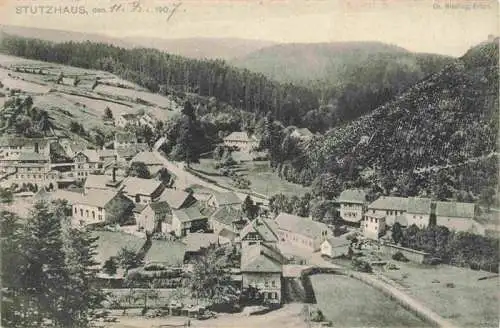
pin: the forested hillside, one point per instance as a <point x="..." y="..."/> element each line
<point x="165" y="73"/>
<point x="351" y="78"/>
<point x="439" y="137"/>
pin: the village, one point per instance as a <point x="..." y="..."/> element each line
<point x="170" y="223"/>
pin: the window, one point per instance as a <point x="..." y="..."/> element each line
<point x="81" y="212"/>
<point x="100" y="209"/>
<point x="371" y="219"/>
<point x="93" y="215"/>
<point x="87" y="213"/>
<point x="266" y="283"/>
<point x="76" y="210"/>
<point x="273" y="283"/>
<point x="100" y="217"/>
<point x="376" y="220"/>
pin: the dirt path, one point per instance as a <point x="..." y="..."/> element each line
<point x="289" y="316"/>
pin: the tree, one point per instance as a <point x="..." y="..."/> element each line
<point x="6" y="196"/>
<point x="138" y="169"/>
<point x="110" y="266"/>
<point x="128" y="258"/>
<point x="108" y="114"/>
<point x="397" y="233"/>
<point x="326" y="185"/>
<point x="82" y="298"/>
<point x="249" y="208"/>
<point x="487" y="197"/>
<point x="210" y="278"/>
<point x="165" y="177"/>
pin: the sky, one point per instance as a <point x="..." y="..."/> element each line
<point x="437" y="26"/>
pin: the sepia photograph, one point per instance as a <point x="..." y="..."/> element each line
<point x="249" y="163"/>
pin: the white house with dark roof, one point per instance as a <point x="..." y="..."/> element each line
<point x="142" y="191"/>
<point x="93" y="207"/>
<point x="220" y="199"/>
<point x="455" y="216"/>
<point x="241" y="140"/>
<point x="302" y="232"/>
<point x="418" y="212"/>
<point x="352" y="205"/>
<point x="87" y="162"/>
<point x="149" y="217"/>
<point x="373" y="225"/>
<point x="389" y="206"/>
<point x="262" y="272"/>
<point x="335" y="247"/>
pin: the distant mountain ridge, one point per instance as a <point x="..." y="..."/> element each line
<point x="197" y="48"/>
<point x="330" y="62"/>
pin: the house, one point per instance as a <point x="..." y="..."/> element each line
<point x="124" y="140"/>
<point x="418" y="212"/>
<point x="93" y="208"/>
<point x="261" y="273"/>
<point x="147" y="120"/>
<point x="302" y="232"/>
<point x="335" y="247"/>
<point x="352" y="205"/>
<point x="259" y="231"/>
<point x="227" y="218"/>
<point x="13" y="146"/>
<point x="184" y="221"/>
<point x="302" y="134"/>
<point x="126" y="119"/>
<point x="177" y="199"/>
<point x="373" y="225"/>
<point x="152" y="162"/>
<point x="100" y="182"/>
<point x="86" y="162"/>
<point x="149" y="217"/>
<point x="389" y="206"/>
<point x="220" y="199"/>
<point x="242" y="141"/>
<point x="142" y="191"/>
<point x="455" y="216"/>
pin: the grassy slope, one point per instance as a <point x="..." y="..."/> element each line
<point x="350" y="303"/>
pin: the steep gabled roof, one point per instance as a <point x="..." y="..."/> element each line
<point x="99" y="198"/>
<point x="261" y="258"/>
<point x="138" y="186"/>
<point x="97" y="181"/>
<point x="338" y="241"/>
<point x="390" y="203"/>
<point x="227" y="215"/>
<point x="356" y="196"/>
<point x="300" y="225"/>
<point x="226" y="198"/>
<point x="176" y="199"/>
<point x="419" y="205"/>
<point x="147" y="157"/>
<point x="188" y="214"/>
<point x="266" y="229"/>
<point x="32" y="157"/>
<point x="455" y="209"/>
<point x="238" y="136"/>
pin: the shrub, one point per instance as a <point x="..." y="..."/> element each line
<point x="317" y="316"/>
<point x="400" y="257"/>
<point x="450" y="285"/>
<point x="361" y="266"/>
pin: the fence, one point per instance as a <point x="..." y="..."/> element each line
<point x="410" y="254"/>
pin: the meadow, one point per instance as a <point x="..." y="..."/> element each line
<point x="350" y="303"/>
<point x="452" y="292"/>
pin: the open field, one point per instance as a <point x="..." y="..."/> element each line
<point x="470" y="303"/>
<point x="263" y="180"/>
<point x="289" y="316"/>
<point x="25" y="86"/>
<point x="99" y="106"/>
<point x="154" y="99"/>
<point x="350" y="303"/>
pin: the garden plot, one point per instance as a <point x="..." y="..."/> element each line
<point x="134" y="95"/>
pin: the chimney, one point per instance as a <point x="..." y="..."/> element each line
<point x="114" y="173"/>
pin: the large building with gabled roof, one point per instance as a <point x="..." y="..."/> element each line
<point x="419" y="211"/>
<point x="259" y="231"/>
<point x="455" y="216"/>
<point x="352" y="205"/>
<point x="261" y="271"/>
<point x="391" y="207"/>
